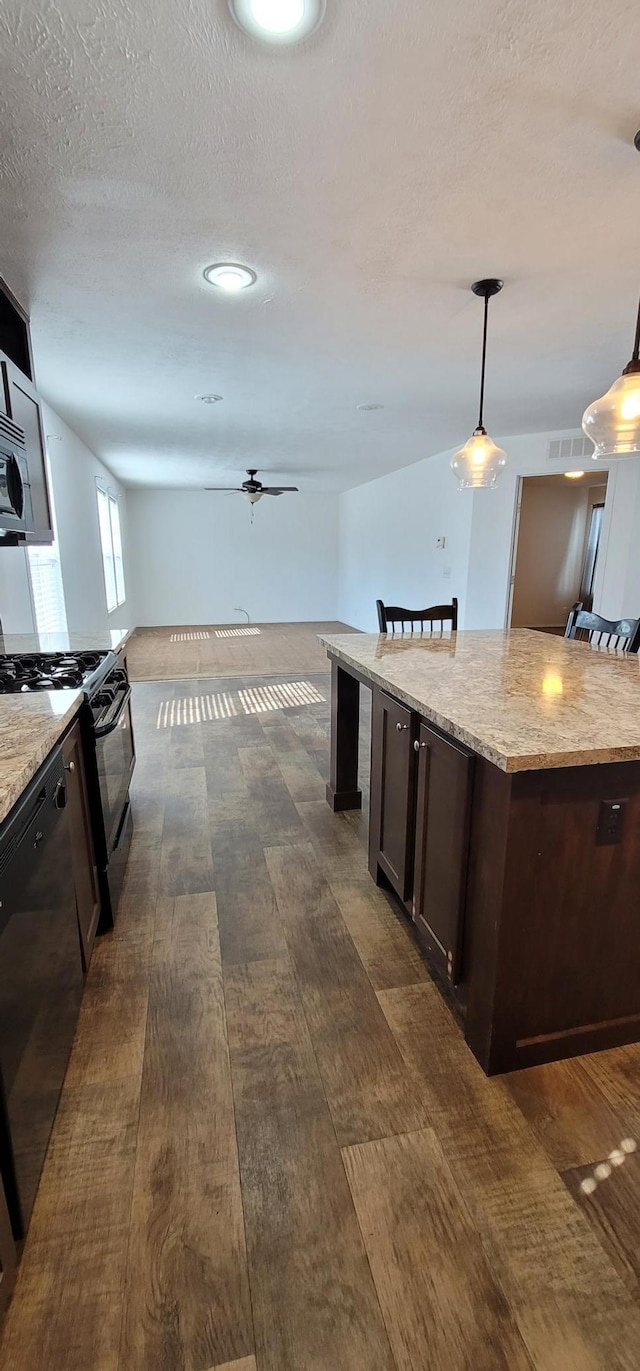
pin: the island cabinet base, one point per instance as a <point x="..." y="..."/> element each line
<point x="524" y="887"/>
<point x="551" y="943"/>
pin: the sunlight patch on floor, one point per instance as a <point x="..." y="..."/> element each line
<point x="189" y="637"/>
<point x="244" y="632"/>
<point x="197" y="709"/>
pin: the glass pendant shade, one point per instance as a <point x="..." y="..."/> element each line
<point x="613" y="422"/>
<point x="478" y="464"/>
<point x="253" y="496"/>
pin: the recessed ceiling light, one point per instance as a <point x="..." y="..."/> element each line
<point x="229" y="276"/>
<point x="208" y="399"/>
<point x="278" y="21"/>
<point x="573" y="475"/>
<point x="368" y="407"/>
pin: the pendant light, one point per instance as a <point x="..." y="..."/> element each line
<point x="613" y="422"/>
<point x="479" y="463"/>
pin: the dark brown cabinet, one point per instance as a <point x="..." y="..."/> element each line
<point x="23" y="406"/>
<point x="85" y="875"/>
<point x="443" y="812"/>
<point x="393" y="729"/>
<point x="421" y="790"/>
<point x="7" y="1254"/>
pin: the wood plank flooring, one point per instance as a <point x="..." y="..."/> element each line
<point x="274" y="1151"/>
<point x="170" y="653"/>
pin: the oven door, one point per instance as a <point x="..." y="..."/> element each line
<point x="115" y="757"/>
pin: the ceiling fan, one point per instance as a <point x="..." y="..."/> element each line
<point x="254" y="490"/>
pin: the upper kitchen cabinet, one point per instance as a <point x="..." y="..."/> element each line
<point x="15" y="333"/>
<point x="24" y="408"/>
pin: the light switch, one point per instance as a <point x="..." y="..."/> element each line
<point x="441" y="543"/>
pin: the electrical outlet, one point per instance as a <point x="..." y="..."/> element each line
<point x="446" y="572"/>
<point x="611" y="821"/>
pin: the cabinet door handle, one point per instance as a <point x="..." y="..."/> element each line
<point x="417" y="745"/>
<point x="70" y="766"/>
<point x="401" y="727"/>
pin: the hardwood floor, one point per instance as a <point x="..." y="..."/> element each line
<point x="199" y="653"/>
<point x="274" y="1151"/>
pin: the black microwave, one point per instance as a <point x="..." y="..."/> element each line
<point x="15" y="490"/>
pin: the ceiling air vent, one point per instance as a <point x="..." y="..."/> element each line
<point x="570" y="449"/>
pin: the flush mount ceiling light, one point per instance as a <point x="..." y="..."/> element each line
<point x="278" y="21"/>
<point x="573" y="475"/>
<point x="479" y="463"/>
<point x="613" y="422"/>
<point x="209" y="399"/>
<point x="229" y="276"/>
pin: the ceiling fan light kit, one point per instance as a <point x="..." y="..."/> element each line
<point x="613" y="422"/>
<point x="478" y="464"/>
<point x="253" y="490"/>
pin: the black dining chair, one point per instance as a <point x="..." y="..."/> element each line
<point x="622" y="635"/>
<point x="435" y="614"/>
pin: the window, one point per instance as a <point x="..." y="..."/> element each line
<point x="111" y="543"/>
<point x="46" y="589"/>
<point x="45" y="577"/>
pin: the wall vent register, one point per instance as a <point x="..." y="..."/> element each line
<point x="570" y="449"/>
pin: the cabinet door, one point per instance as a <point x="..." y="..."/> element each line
<point x="445" y="775"/>
<point x="85" y="875"/>
<point x="7" y="1254"/>
<point x="392" y="792"/>
<point x="23" y="406"/>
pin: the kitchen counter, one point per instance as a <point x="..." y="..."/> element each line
<point x="30" y="725"/>
<point x="505" y="814"/>
<point x="521" y="699"/>
<point x="109" y="640"/>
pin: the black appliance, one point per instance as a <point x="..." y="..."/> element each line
<point x="15" y="491"/>
<point x="108" y="746"/>
<point x="41" y="980"/>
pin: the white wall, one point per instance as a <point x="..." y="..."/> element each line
<point x="388" y="531"/>
<point x="196" y="557"/>
<point x="388" y="534"/>
<point x="74" y="469"/>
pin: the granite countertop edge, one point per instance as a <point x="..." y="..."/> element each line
<point x="34" y="737"/>
<point x="505" y="761"/>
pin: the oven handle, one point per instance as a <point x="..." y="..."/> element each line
<point x="102" y="730"/>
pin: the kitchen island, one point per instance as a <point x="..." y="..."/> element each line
<point x="505" y="814"/>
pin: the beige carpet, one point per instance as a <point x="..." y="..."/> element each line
<point x="174" y="653"/>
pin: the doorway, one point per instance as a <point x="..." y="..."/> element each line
<point x="556" y="544"/>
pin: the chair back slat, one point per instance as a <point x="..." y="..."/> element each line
<point x="392" y="615"/>
<point x="614" y="635"/>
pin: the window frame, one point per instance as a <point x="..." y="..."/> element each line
<point x="110" y="534"/>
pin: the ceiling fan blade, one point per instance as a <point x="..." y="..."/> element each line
<point x="279" y="490"/>
<point x="231" y="490"/>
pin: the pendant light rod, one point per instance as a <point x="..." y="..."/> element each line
<point x="634" y="364"/>
<point x="486" y="288"/>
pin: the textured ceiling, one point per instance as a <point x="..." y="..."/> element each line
<point x="368" y="176"/>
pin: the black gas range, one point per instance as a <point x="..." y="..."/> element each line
<point x="108" y="745"/>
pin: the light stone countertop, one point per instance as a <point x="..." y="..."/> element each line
<point x="111" y="639"/>
<point x="30" y="725"/>
<point x="525" y="700"/>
